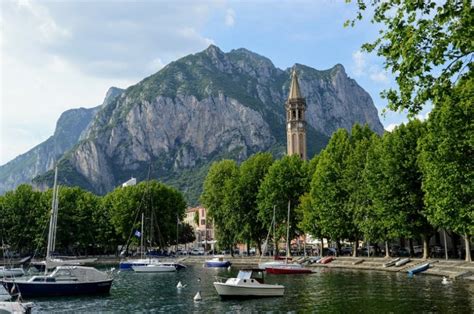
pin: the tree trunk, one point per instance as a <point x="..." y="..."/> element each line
<point x="467" y="245"/>
<point x="338" y="247"/>
<point x="387" y="250"/>
<point x="321" y="253"/>
<point x="259" y="248"/>
<point x="410" y="247"/>
<point x="354" y="247"/>
<point x="426" y="247"/>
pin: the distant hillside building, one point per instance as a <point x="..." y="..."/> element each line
<point x="295" y="120"/>
<point x="132" y="181"/>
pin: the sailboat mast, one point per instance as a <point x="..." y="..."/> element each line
<point x="51" y="233"/>
<point x="141" y="236"/>
<point x="288" y="232"/>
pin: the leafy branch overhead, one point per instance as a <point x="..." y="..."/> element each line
<point x="427" y="46"/>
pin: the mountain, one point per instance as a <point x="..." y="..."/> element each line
<point x="205" y="107"/>
<point x="41" y="158"/>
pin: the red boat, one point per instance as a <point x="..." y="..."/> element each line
<point x="326" y="260"/>
<point x="288" y="269"/>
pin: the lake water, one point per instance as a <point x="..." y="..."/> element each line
<point x="327" y="290"/>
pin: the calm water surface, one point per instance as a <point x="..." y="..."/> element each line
<point x="326" y="291"/>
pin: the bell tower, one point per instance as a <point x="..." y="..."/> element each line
<point x="295" y="122"/>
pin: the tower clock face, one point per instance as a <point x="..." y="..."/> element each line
<point x="289" y="125"/>
<point x="300" y="124"/>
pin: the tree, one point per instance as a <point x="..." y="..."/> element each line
<point x="186" y="233"/>
<point x="159" y="203"/>
<point x="251" y="174"/>
<point x="24" y="216"/>
<point x="218" y="186"/>
<point x="285" y="182"/>
<point x="447" y="162"/>
<point x="427" y="45"/>
<point x="354" y="180"/>
<point x="328" y="190"/>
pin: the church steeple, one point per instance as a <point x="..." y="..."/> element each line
<point x="294" y="87"/>
<point x="295" y="119"/>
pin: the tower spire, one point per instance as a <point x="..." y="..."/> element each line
<point x="294" y="86"/>
<point x="295" y="119"/>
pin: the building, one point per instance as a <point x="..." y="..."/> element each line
<point x="202" y="228"/>
<point x="295" y="120"/>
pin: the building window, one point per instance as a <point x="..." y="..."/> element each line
<point x="203" y="222"/>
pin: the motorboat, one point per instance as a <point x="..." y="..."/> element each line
<point x="63" y="281"/>
<point x="402" y="262"/>
<point x="288" y="269"/>
<point x="129" y="263"/>
<point x="391" y="263"/>
<point x="418" y="269"/>
<point x="248" y="284"/>
<point x="217" y="261"/>
<point x="11" y="271"/>
<point x="264" y="266"/>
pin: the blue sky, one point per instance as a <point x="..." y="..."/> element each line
<point x="57" y="55"/>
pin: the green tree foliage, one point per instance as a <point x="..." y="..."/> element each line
<point x="251" y="174"/>
<point x="328" y="190"/>
<point x="427" y="45"/>
<point x="216" y="196"/>
<point x="24" y="213"/>
<point x="448" y="164"/>
<point x="286" y="181"/>
<point x="396" y="185"/>
<point x="159" y="203"/>
<point x="186" y="233"/>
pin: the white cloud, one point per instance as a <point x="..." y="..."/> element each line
<point x="230" y="17"/>
<point x="362" y="66"/>
<point x="359" y="63"/>
<point x="391" y="127"/>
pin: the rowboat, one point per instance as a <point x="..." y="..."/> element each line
<point x="288" y="269"/>
<point x="402" y="262"/>
<point x="391" y="263"/>
<point x="326" y="260"/>
<point x="418" y="269"/>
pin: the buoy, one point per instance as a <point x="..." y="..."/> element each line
<point x="445" y="281"/>
<point x="179" y="285"/>
<point x="228" y="268"/>
<point x="197" y="297"/>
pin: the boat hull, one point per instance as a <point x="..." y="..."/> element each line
<point x="54" y="289"/>
<point x="217" y="264"/>
<point x="11" y="272"/>
<point x="391" y="263"/>
<point x="246" y="291"/>
<point x="154" y="269"/>
<point x="287" y="270"/>
<point x="419" y="269"/>
<point x="402" y="262"/>
<point x="326" y="260"/>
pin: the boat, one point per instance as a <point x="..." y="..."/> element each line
<point x="11" y="272"/>
<point x="52" y="263"/>
<point x="15" y="307"/>
<point x="248" y="284"/>
<point x="217" y="261"/>
<point x="418" y="269"/>
<point x="326" y="260"/>
<point x="391" y="263"/>
<point x="288" y="269"/>
<point x="63" y="281"/>
<point x="402" y="262"/>
<point x="155" y="268"/>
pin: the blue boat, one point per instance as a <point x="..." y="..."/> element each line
<point x="217" y="262"/>
<point x="418" y="269"/>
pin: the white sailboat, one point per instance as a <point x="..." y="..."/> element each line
<point x="51" y="262"/>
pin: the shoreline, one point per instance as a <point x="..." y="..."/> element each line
<point x="452" y="269"/>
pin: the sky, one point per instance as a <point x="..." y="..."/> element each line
<point x="59" y="55"/>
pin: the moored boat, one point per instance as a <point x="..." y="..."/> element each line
<point x="326" y="260"/>
<point x="11" y="271"/>
<point x="63" y="281"/>
<point x="402" y="262"/>
<point x="391" y="263"/>
<point x="248" y="284"/>
<point x="418" y="269"/>
<point x="155" y="268"/>
<point x="217" y="261"/>
<point x="288" y="269"/>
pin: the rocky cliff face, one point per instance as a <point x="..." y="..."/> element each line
<point x="204" y="107"/>
<point x="69" y="128"/>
